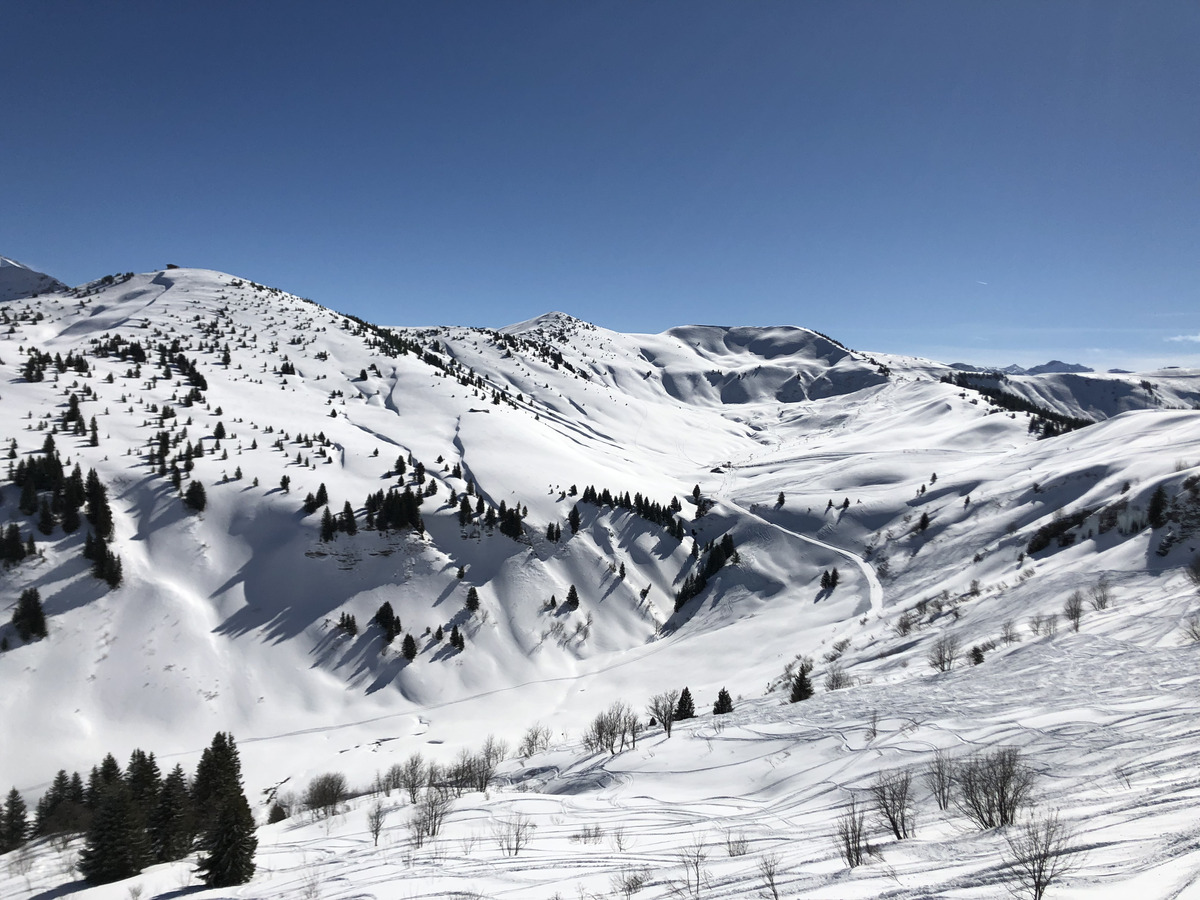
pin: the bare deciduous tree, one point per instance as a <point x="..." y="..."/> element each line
<point x="836" y="678"/>
<point x="1039" y="854"/>
<point x="429" y="814"/>
<point x="1100" y="596"/>
<point x="852" y="834"/>
<point x="1008" y="632"/>
<point x="662" y="707"/>
<point x="694" y="874"/>
<point x="513" y="835"/>
<point x="412" y="777"/>
<point x="375" y="816"/>
<point x="1073" y="608"/>
<point x="943" y="653"/>
<point x="939" y="778"/>
<point x="993" y="787"/>
<point x="768" y="868"/>
<point x="612" y="730"/>
<point x="536" y="739"/>
<point x="892" y="794"/>
<point x="325" y="794"/>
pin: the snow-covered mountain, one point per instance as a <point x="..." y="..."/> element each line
<point x="17" y="281"/>
<point x="933" y="493"/>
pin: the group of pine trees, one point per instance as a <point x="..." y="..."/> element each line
<point x="713" y="559"/>
<point x="58" y="499"/>
<point x="136" y="817"/>
<point x="662" y="515"/>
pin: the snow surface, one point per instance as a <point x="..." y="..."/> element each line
<point x="226" y="620"/>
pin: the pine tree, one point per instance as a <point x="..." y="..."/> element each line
<point x="472" y="600"/>
<point x="802" y="687"/>
<point x="924" y="523"/>
<point x="347" y="522"/>
<point x="456" y="638"/>
<point x="686" y="709"/>
<point x="573" y="519"/>
<point x="724" y="703"/>
<point x="572" y="601"/>
<point x="116" y="845"/>
<point x="14" y="824"/>
<point x="409" y="647"/>
<point x="28" y="618"/>
<point x="328" y="526"/>
<point x="171" y="825"/>
<point x="218" y="777"/>
<point x="1156" y="515"/>
<point x="230" y="845"/>
<point x="195" y="497"/>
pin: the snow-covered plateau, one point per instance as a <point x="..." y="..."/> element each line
<point x="1013" y="558"/>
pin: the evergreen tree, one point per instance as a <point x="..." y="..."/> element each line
<point x="116" y="845"/>
<point x="13" y="822"/>
<point x="573" y="519"/>
<point x="230" y="845"/>
<point x="686" y="709"/>
<point x="456" y="638"/>
<point x="472" y="600"/>
<point x="834" y="578"/>
<point x="98" y="511"/>
<point x="409" y="647"/>
<point x="45" y="523"/>
<point x="218" y="778"/>
<point x="195" y="497"/>
<point x="572" y="601"/>
<point x="347" y="522"/>
<point x="825" y="580"/>
<point x="802" y="687"/>
<point x="171" y="825"/>
<point x="28" y="618"/>
<point x="724" y="703"/>
<point x="328" y="526"/>
<point x="924" y="523"/>
<point x="388" y="622"/>
<point x="1156" y="515"/>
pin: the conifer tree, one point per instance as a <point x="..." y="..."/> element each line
<point x="686" y="708"/>
<point x="28" y="618"/>
<point x="230" y="845"/>
<point x="572" y="601"/>
<point x="724" y="703"/>
<point x="14" y="824"/>
<point x="171" y="826"/>
<point x="409" y="647"/>
<point x="116" y="846"/>
<point x="802" y="687"/>
<point x="195" y="497"/>
<point x="328" y="526"/>
<point x="573" y="519"/>
<point x="1156" y="515"/>
<point x="347" y="522"/>
<point x="225" y="822"/>
<point x="472" y="600"/>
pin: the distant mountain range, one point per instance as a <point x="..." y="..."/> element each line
<point x="1054" y="367"/>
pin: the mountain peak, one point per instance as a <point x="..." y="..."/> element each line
<point x="18" y="281"/>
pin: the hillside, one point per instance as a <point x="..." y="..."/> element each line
<point x="941" y="510"/>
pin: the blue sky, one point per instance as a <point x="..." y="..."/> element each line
<point x="996" y="182"/>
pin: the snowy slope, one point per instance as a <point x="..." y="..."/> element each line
<point x="226" y="619"/>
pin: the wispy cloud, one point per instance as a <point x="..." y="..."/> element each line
<point x="1195" y="338"/>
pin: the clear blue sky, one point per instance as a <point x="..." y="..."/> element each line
<point x="991" y="181"/>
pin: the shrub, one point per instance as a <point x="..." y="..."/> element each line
<point x="993" y="787"/>
<point x="325" y="794"/>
